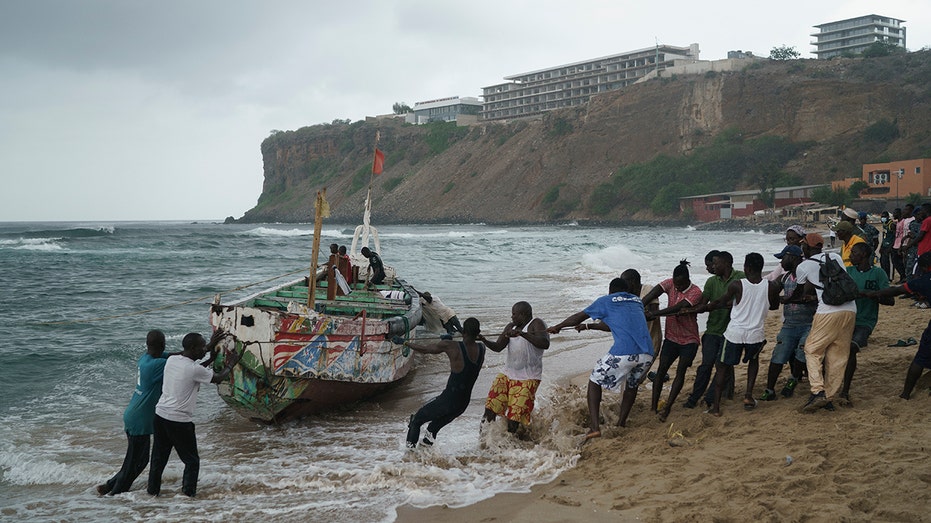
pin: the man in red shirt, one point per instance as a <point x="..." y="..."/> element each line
<point x="923" y="240"/>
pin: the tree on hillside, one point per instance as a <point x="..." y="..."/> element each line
<point x="401" y="108"/>
<point x="878" y="49"/>
<point x="827" y="196"/>
<point x="784" y="52"/>
<point x="856" y="187"/>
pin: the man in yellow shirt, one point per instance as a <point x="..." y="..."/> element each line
<point x="844" y="231"/>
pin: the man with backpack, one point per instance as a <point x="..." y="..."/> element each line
<point x="828" y="341"/>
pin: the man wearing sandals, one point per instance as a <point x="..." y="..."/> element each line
<point x="753" y="297"/>
<point x="629" y="357"/>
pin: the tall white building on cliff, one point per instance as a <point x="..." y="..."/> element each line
<point x="854" y="35"/>
<point x="532" y="93"/>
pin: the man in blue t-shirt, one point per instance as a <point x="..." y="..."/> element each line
<point x="139" y="415"/>
<point x="920" y="284"/>
<point x="629" y="357"/>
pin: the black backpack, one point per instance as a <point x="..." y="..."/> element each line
<point x="836" y="284"/>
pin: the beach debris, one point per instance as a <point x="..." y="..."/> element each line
<point x="675" y="438"/>
<point x="789" y="460"/>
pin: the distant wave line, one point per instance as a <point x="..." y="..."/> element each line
<point x="169" y="306"/>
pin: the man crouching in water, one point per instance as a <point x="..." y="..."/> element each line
<point x="629" y="357"/>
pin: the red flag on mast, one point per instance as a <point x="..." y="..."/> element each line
<point x="379" y="164"/>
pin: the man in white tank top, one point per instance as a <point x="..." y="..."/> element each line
<point x="753" y="297"/>
<point x="514" y="390"/>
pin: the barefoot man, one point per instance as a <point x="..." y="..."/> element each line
<point x="514" y="390"/>
<point x="627" y="360"/>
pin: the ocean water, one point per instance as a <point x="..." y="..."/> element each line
<point x="78" y="298"/>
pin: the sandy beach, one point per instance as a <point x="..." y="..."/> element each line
<point x="867" y="462"/>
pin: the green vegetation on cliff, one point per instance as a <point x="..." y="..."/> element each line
<point x="729" y="161"/>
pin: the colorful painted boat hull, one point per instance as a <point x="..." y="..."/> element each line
<point x="299" y="361"/>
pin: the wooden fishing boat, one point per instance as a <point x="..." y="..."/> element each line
<point x="309" y="349"/>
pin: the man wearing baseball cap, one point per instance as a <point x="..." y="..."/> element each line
<point x="828" y="341"/>
<point x="796" y="322"/>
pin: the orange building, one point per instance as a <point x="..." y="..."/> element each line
<point x="893" y="180"/>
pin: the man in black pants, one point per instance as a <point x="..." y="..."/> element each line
<point x="174" y="414"/>
<point x="465" y="362"/>
<point x="139" y="414"/>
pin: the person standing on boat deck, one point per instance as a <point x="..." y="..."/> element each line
<point x="435" y="312"/>
<point x="629" y="357"/>
<point x="140" y="414"/>
<point x="174" y="413"/>
<point x="331" y="263"/>
<point x="376" y="267"/>
<point x="345" y="264"/>
<point x="514" y="390"/>
<point x="465" y="362"/>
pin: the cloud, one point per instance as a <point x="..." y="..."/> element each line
<point x="124" y="109"/>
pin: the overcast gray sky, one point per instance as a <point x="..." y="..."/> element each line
<point x="131" y="110"/>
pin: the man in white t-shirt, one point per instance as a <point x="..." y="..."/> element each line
<point x="174" y="413"/>
<point x="828" y="341"/>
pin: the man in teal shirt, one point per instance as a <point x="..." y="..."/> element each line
<point x="712" y="341"/>
<point x="868" y="278"/>
<point x="139" y="415"/>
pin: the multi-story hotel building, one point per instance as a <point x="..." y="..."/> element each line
<point x="572" y="84"/>
<point x="450" y="109"/>
<point x="854" y="35"/>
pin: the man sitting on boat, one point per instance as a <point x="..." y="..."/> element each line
<point x="376" y="267"/>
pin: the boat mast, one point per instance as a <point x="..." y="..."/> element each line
<point x="321" y="210"/>
<point x="362" y="231"/>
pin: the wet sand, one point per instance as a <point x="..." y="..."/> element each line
<point x="867" y="462"/>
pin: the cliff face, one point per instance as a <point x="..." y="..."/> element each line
<point x="550" y="168"/>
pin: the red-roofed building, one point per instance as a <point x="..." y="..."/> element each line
<point x="735" y="204"/>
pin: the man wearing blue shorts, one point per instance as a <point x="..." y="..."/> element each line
<point x="629" y="357"/>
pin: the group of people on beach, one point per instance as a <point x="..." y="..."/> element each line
<point x="830" y="305"/>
